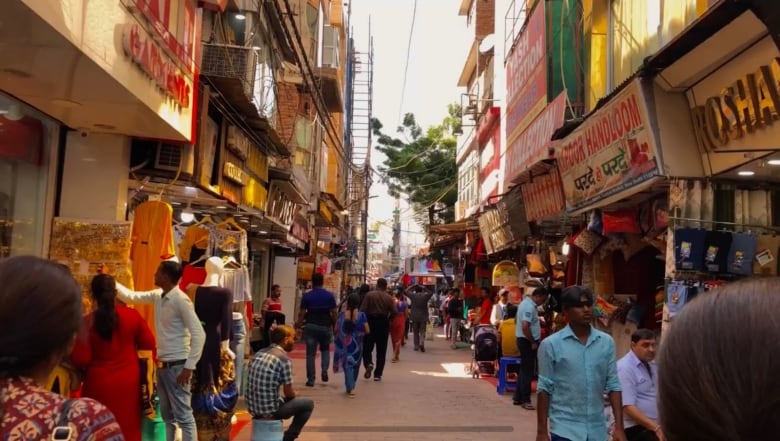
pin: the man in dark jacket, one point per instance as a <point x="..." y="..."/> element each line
<point x="419" y="297"/>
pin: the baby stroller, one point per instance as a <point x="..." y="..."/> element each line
<point x="485" y="353"/>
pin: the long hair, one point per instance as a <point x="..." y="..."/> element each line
<point x="104" y="292"/>
<point x="718" y="367"/>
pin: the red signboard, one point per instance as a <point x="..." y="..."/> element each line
<point x="150" y="58"/>
<point x="489" y="167"/>
<point x="533" y="144"/>
<point x="175" y="27"/>
<point x="543" y="197"/>
<point x="215" y="5"/>
<point x="526" y="74"/>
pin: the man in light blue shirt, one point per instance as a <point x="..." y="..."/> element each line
<point x="528" y="332"/>
<point x="638" y="374"/>
<point x="576" y="367"/>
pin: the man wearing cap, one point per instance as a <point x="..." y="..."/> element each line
<point x="499" y="308"/>
<point x="576" y="367"/>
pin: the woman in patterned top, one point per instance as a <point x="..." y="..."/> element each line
<point x="41" y="316"/>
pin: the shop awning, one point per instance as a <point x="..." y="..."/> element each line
<point x="285" y="181"/>
<point x="459" y="227"/>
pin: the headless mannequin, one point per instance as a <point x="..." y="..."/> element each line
<point x="214" y="269"/>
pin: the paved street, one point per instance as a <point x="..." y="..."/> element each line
<point x="426" y="396"/>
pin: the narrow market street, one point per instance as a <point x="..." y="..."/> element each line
<point x="426" y="396"/>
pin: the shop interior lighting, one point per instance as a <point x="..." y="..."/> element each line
<point x="240" y="16"/>
<point x="773" y="162"/>
<point x="263" y="232"/>
<point x="746" y="173"/>
<point x="565" y="248"/>
<point x="187" y="215"/>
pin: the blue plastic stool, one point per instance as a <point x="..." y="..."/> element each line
<point x="267" y="430"/>
<point x="503" y="365"/>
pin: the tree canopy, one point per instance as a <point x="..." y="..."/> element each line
<point x="420" y="166"/>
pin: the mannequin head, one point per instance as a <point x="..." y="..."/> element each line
<point x="214" y="268"/>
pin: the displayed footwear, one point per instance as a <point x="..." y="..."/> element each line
<point x="369" y="369"/>
<point x="377" y="378"/>
<point x="309" y="384"/>
<point x="324" y="377"/>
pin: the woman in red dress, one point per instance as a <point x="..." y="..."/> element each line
<point x="398" y="323"/>
<point x="108" y="352"/>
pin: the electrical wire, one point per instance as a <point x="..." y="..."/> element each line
<point x="408" y="55"/>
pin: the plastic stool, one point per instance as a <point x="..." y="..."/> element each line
<point x="503" y="365"/>
<point x="267" y="430"/>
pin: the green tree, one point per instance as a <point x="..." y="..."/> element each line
<point x="420" y="165"/>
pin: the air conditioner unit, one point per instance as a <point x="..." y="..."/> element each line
<point x="169" y="156"/>
<point x="330" y="47"/>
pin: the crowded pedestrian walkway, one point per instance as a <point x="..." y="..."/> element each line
<point x="425" y="396"/>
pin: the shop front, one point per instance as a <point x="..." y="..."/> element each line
<point x="723" y="228"/>
<point x="29" y="144"/>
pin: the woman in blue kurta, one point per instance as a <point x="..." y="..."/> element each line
<point x="351" y="327"/>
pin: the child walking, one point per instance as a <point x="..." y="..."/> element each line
<point x="351" y="327"/>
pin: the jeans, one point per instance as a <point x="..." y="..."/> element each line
<point x="418" y="329"/>
<point x="554" y="437"/>
<point x="238" y="346"/>
<point x="527" y="366"/>
<point x="175" y="404"/>
<point x="350" y="377"/>
<point x="380" y="332"/>
<point x="454" y="326"/>
<point x="317" y="335"/>
<point x="299" y="409"/>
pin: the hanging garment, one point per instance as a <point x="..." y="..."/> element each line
<point x="191" y="275"/>
<point x="767" y="251"/>
<point x="741" y="254"/>
<point x="237" y="281"/>
<point x="689" y="248"/>
<point x="194" y="243"/>
<point x="224" y="243"/>
<point x="152" y="242"/>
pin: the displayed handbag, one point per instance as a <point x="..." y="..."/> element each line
<point x="535" y="263"/>
<point x="148" y="388"/>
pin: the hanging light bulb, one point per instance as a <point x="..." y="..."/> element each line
<point x="565" y="248"/>
<point x="187" y="215"/>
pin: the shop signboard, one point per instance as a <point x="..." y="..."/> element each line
<point x="255" y="194"/>
<point x="234" y="172"/>
<point x="207" y="152"/>
<point x="150" y="58"/>
<point x="305" y="270"/>
<point x="279" y="209"/>
<point x="543" y="197"/>
<point x="173" y="23"/>
<point x="300" y="230"/>
<point x="611" y="152"/>
<point x="526" y="74"/>
<point x="736" y="108"/>
<point x="534" y="143"/>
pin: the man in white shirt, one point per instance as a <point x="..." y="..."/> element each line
<point x="499" y="309"/>
<point x="180" y="340"/>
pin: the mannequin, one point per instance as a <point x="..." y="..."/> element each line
<point x="214" y="392"/>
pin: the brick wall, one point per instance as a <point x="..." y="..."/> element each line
<point x="486" y="18"/>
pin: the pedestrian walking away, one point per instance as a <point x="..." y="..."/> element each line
<point x="418" y="313"/>
<point x="317" y="317"/>
<point x="378" y="306"/>
<point x="351" y="327"/>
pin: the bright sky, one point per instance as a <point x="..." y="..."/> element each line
<point x="440" y="43"/>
